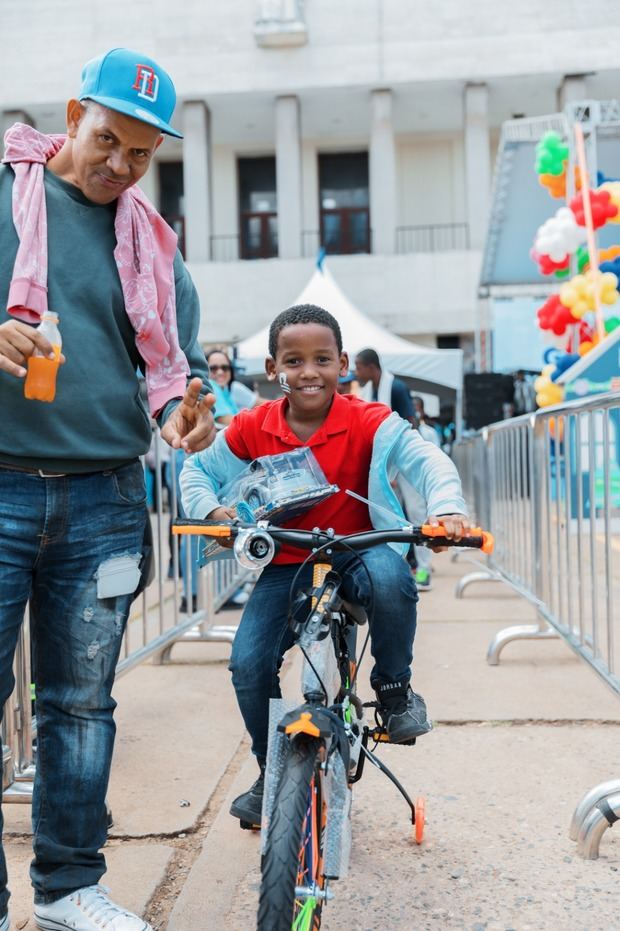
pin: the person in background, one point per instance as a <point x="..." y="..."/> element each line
<point x="231" y="395"/>
<point x="77" y="231"/>
<point x="424" y="423"/>
<point x="418" y="557"/>
<point x="524" y="401"/>
<point x="381" y="386"/>
<point x="347" y="384"/>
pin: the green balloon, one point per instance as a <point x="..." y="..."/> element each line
<point x="583" y="258"/>
<point x="551" y="154"/>
<point x="611" y="324"/>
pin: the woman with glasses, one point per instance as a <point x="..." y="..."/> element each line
<point x="231" y="396"/>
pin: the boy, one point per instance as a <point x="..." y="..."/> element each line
<point x="359" y="446"/>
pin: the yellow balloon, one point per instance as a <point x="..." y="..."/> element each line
<point x="541" y="383"/>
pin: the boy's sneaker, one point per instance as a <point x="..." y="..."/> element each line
<point x="4" y="923"/>
<point x="423" y="580"/>
<point x="249" y="806"/>
<point x="402" y="712"/>
<point x="87" y="909"/>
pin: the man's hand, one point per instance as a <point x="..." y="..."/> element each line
<point x="18" y="341"/>
<point x="191" y="425"/>
<point x="456" y="527"/>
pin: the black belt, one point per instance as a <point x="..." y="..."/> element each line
<point x="40" y="472"/>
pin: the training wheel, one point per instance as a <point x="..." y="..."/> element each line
<point x="420" y="819"/>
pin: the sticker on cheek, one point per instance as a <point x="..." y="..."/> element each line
<point x="284" y="385"/>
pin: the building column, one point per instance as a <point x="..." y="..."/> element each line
<point x="197" y="180"/>
<point x="572" y="89"/>
<point x="288" y="177"/>
<point x="477" y="162"/>
<point x="382" y="174"/>
<point x="7" y="118"/>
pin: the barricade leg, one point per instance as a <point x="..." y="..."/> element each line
<point x="601" y="816"/>
<point x="589" y="801"/>
<point x="18" y="711"/>
<point x="540" y="631"/>
<point x="481" y="575"/>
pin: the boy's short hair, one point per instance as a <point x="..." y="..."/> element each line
<point x="302" y="313"/>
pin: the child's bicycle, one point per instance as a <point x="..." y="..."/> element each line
<point x="318" y="749"/>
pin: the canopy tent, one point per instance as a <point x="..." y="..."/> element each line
<point x="434" y="371"/>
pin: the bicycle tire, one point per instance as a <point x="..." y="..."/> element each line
<point x="282" y="862"/>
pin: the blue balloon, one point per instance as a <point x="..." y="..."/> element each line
<point x="564" y="362"/>
<point x="551" y="354"/>
<point x="613" y="266"/>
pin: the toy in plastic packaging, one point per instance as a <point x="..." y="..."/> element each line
<point x="278" y="488"/>
<point x="275" y="488"/>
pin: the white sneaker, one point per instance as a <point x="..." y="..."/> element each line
<point x="4" y="924"/>
<point x="87" y="909"/>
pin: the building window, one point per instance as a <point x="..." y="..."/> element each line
<point x="171" y="198"/>
<point x="449" y="341"/>
<point x="280" y="23"/>
<point x="258" y="214"/>
<point x="345" y="215"/>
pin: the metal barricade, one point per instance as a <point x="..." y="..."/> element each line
<point x="548" y="486"/>
<point x="154" y="625"/>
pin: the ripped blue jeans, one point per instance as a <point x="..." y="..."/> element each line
<point x="55" y="534"/>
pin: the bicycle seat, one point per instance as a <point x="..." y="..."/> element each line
<point x="356" y="612"/>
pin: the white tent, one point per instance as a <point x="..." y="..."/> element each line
<point x="435" y="371"/>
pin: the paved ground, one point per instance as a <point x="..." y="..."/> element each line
<point x="515" y="747"/>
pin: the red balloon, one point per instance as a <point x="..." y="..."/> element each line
<point x="546" y="264"/>
<point x="554" y="316"/>
<point x="603" y="209"/>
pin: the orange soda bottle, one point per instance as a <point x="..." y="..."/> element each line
<point x="41" y="375"/>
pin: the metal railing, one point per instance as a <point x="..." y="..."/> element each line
<point x="435" y="237"/>
<point x="154" y="625"/>
<point x="548" y="486"/>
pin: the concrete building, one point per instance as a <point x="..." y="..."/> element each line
<point x="365" y="126"/>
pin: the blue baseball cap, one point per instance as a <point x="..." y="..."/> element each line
<point x="346" y="379"/>
<point x="133" y="84"/>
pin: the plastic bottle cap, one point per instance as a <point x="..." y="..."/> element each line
<point x="52" y="317"/>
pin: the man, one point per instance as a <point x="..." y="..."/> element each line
<point x="73" y="520"/>
<point x="378" y="385"/>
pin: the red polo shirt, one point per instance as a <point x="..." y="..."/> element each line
<point x="342" y="446"/>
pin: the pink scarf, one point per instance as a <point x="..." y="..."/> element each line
<point x="145" y="251"/>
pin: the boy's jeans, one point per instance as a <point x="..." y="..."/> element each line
<point x="264" y="635"/>
<point x="54" y="535"/>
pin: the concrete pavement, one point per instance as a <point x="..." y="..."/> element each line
<point x="515" y="748"/>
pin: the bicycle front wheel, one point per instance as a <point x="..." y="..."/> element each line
<point x="292" y="866"/>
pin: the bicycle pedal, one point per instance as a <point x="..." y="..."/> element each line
<point x="380" y="736"/>
<point x="248" y="826"/>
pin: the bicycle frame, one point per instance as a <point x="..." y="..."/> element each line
<point x="339" y="726"/>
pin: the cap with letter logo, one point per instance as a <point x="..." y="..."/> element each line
<point x="131" y="83"/>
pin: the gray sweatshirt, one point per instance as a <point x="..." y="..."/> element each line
<point x="97" y="420"/>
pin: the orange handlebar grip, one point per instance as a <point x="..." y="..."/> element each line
<point x="429" y="531"/>
<point x="488" y="540"/>
<point x="215" y="530"/>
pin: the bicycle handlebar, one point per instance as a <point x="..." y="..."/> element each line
<point x="425" y="535"/>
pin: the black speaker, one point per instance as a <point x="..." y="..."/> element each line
<point x="485" y="396"/>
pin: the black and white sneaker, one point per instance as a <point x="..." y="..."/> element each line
<point x="402" y="712"/>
